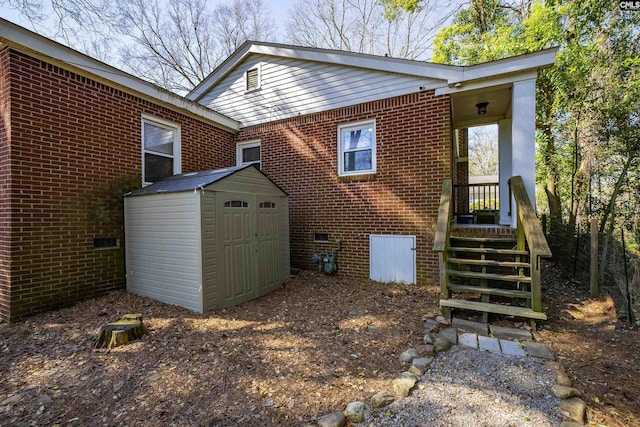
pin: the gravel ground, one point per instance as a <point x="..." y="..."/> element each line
<point x="468" y="387"/>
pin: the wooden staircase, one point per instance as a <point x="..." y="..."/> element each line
<point x="492" y="275"/>
<point x="492" y="270"/>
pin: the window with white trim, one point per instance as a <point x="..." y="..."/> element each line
<point x="252" y="79"/>
<point x="357" y="148"/>
<point x="248" y="153"/>
<point x="160" y="149"/>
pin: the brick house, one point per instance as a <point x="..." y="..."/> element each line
<point x="362" y="144"/>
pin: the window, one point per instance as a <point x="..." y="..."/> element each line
<point x="357" y="148"/>
<point x="236" y="204"/>
<point x="267" y="205"/>
<point x="248" y="153"/>
<point x="252" y="79"/>
<point x="160" y="149"/>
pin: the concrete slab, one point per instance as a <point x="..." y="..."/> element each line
<point x="489" y="344"/>
<point x="512" y="348"/>
<point x="469" y="326"/>
<point x="536" y="349"/>
<point x="468" y="339"/>
<point x="510" y="333"/>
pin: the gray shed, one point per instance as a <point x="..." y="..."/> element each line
<point x="209" y="239"/>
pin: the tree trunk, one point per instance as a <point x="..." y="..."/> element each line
<point x="616" y="190"/>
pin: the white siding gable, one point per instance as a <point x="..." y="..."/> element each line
<point x="292" y="87"/>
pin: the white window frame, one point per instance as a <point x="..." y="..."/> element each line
<point x="246" y="79"/>
<point x="177" y="155"/>
<point x="354" y="126"/>
<point x="248" y="144"/>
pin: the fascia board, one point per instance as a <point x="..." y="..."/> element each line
<point x="486" y="83"/>
<point x="48" y="50"/>
<point x="219" y="72"/>
<point x="359" y="60"/>
<point x="518" y="64"/>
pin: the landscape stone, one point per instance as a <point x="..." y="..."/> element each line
<point x="428" y="338"/>
<point x="468" y="339"/>
<point x="469" y="326"/>
<point x="440" y="344"/>
<point x="449" y="334"/>
<point x="442" y="320"/>
<point x="512" y="348"/>
<point x="564" y="392"/>
<point x="431" y="325"/>
<point x="561" y="377"/>
<point x="382" y="399"/>
<point x="426" y="350"/>
<point x="510" y="333"/>
<point x="402" y="385"/>
<point x="416" y="371"/>
<point x="408" y="355"/>
<point x="355" y="412"/>
<point x="489" y="344"/>
<point x="422" y="362"/>
<point x="574" y="408"/>
<point x="333" y="419"/>
<point x="538" y="350"/>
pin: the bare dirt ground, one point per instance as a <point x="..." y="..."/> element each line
<point x="297" y="353"/>
<point x="599" y="352"/>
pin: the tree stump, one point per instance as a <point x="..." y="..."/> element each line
<point x="128" y="328"/>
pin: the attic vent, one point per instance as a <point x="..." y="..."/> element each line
<point x="236" y="204"/>
<point x="252" y="79"/>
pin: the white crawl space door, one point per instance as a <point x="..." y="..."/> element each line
<point x="392" y="258"/>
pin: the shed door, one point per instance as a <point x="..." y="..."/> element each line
<point x="269" y="243"/>
<point x="392" y="258"/>
<point x="238" y="250"/>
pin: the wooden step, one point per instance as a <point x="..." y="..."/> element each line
<point x="493" y="308"/>
<point x="510" y="293"/>
<point x="487" y="251"/>
<point x="484" y="239"/>
<point x="489" y="263"/>
<point x="489" y="276"/>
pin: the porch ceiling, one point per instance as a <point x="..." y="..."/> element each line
<point x="465" y="112"/>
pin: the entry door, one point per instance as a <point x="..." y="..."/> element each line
<point x="268" y="232"/>
<point x="392" y="258"/>
<point x="236" y="255"/>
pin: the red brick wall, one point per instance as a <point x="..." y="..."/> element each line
<point x="413" y="158"/>
<point x="5" y="212"/>
<point x="75" y="149"/>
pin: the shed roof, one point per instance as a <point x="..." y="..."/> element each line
<point x="192" y="181"/>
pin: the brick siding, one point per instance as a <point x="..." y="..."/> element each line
<point x="413" y="158"/>
<point x="74" y="147"/>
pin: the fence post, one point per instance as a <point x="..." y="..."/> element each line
<point x="594" y="289"/>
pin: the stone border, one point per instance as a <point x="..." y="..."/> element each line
<point x="439" y="336"/>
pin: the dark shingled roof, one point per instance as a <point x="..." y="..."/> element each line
<point x="186" y="181"/>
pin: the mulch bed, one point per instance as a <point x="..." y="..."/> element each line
<point x="302" y="351"/>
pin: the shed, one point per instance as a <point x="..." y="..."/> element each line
<point x="208" y="239"/>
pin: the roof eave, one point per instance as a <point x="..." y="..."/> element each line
<point x="21" y="39"/>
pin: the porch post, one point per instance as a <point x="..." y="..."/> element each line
<point x="504" y="168"/>
<point x="523" y="131"/>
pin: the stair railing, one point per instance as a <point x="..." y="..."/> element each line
<point x="529" y="232"/>
<point x="441" y="240"/>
